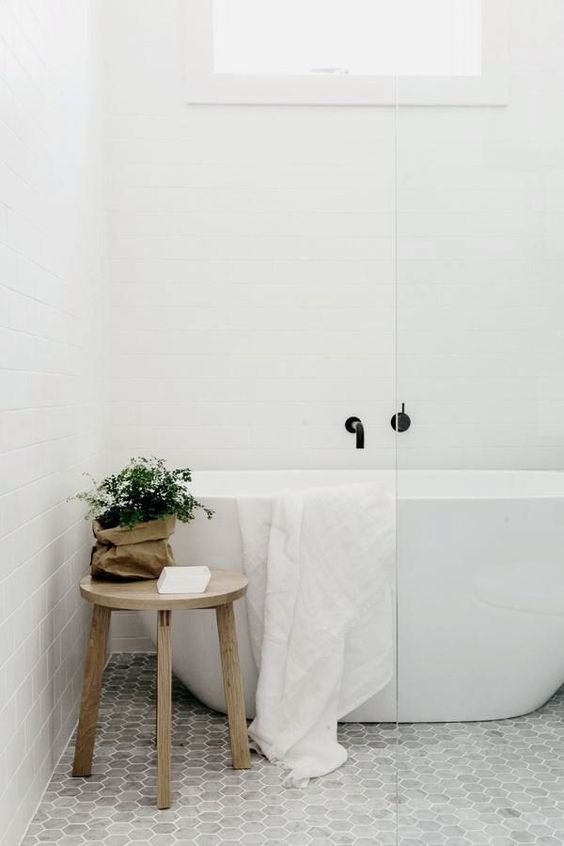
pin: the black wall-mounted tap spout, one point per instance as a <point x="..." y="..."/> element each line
<point x="355" y="427"/>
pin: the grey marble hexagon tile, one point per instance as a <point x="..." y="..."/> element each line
<point x="497" y="783"/>
<point x="477" y="783"/>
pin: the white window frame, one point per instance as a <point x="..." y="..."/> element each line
<point x="205" y="86"/>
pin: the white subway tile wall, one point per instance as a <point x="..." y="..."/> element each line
<point x="251" y="253"/>
<point x="51" y="391"/>
<point x="481" y="266"/>
<point x="252" y="261"/>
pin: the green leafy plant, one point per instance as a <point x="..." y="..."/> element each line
<point x="144" y="490"/>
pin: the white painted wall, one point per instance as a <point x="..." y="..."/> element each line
<point x="50" y="380"/>
<point x="252" y="260"/>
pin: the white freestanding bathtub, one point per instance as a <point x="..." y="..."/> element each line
<point x="479" y="588"/>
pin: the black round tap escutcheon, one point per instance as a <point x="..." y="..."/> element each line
<point x="350" y="424"/>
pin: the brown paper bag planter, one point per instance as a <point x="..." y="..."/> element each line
<point x="140" y="552"/>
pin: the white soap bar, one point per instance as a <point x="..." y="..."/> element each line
<point x="184" y="580"/>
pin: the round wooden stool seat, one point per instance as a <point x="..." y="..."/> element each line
<point x="224" y="588"/>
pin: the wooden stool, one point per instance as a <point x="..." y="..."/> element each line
<point x="224" y="588"/>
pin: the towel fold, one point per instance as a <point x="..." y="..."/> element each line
<point x="319" y="564"/>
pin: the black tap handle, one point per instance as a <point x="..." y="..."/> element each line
<point x="401" y="421"/>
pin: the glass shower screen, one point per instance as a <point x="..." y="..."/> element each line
<point x="480" y="367"/>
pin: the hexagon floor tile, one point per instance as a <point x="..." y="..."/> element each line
<point x="457" y="784"/>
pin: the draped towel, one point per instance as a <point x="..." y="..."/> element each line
<point x="319" y="563"/>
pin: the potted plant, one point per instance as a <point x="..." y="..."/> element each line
<point x="134" y="513"/>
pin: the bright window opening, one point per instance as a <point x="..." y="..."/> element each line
<point x="430" y="38"/>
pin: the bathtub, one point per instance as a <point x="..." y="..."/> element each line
<point x="479" y="591"/>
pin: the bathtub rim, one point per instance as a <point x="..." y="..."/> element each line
<point x="407" y="484"/>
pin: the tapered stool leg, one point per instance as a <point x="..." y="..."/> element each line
<point x="164" y="708"/>
<point x="233" y="687"/>
<point x="91" y="691"/>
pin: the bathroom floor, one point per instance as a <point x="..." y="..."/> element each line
<point x="497" y="783"/>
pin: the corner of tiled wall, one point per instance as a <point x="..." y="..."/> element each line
<point x="51" y="379"/>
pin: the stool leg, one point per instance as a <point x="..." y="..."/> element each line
<point x="91" y="691"/>
<point x="164" y="708"/>
<point x="233" y="687"/>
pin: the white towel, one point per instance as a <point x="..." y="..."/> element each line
<point x="319" y="564"/>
